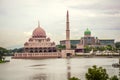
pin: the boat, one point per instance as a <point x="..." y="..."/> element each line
<point x="116" y="65"/>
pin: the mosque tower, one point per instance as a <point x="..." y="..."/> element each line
<point x="68" y="52"/>
<point x="68" y="47"/>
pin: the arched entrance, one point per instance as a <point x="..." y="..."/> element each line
<point x="68" y="54"/>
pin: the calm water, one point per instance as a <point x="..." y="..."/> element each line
<point x="53" y="69"/>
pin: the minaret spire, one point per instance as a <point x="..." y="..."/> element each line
<point x="38" y="23"/>
<point x="68" y="46"/>
<point x="67" y="21"/>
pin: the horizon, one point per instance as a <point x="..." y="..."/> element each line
<point x="19" y="19"/>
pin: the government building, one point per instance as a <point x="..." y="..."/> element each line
<point x="89" y="40"/>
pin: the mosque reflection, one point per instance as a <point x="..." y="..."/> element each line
<point x="39" y="77"/>
<point x="68" y="69"/>
<point x="45" y="76"/>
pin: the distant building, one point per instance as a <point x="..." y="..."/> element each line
<point x="72" y="42"/>
<point x="89" y="40"/>
<point x="107" y="42"/>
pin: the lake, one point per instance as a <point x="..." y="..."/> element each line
<point x="53" y="69"/>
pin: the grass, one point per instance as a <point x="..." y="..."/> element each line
<point x="1" y="61"/>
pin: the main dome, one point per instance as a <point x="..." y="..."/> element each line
<point x="39" y="33"/>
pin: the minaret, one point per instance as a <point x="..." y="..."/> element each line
<point x="68" y="52"/>
<point x="68" y="46"/>
<point x="38" y="23"/>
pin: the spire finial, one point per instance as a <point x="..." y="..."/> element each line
<point x="67" y="12"/>
<point x="38" y="23"/>
<point x="67" y="20"/>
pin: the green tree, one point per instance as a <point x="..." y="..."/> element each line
<point x="74" y="78"/>
<point x="88" y="49"/>
<point x="114" y="78"/>
<point x="60" y="47"/>
<point x="117" y="45"/>
<point x="95" y="48"/>
<point x="109" y="47"/>
<point x="102" y="48"/>
<point x="2" y="52"/>
<point x="73" y="46"/>
<point x="96" y="73"/>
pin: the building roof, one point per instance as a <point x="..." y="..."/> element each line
<point x="39" y="32"/>
<point x="87" y="32"/>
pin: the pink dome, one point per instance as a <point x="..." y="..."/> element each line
<point x="39" y="32"/>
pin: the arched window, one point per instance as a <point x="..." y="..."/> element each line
<point x="31" y="51"/>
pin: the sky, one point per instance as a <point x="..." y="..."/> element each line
<point x="18" y="19"/>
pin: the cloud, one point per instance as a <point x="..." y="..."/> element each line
<point x="97" y="7"/>
<point x="28" y="34"/>
<point x="18" y="18"/>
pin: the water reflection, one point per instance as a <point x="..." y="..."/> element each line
<point x="68" y="69"/>
<point x="38" y="65"/>
<point x="40" y="77"/>
<point x="53" y="69"/>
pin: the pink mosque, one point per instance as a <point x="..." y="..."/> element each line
<point x="40" y="46"/>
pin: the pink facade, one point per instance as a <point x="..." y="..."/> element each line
<point x="38" y="46"/>
<point x="36" y="55"/>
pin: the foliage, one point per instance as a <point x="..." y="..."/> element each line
<point x="114" y="78"/>
<point x="117" y="45"/>
<point x="101" y="48"/>
<point x="109" y="47"/>
<point x="2" y="51"/>
<point x="95" y="73"/>
<point x="73" y="46"/>
<point x="1" y="61"/>
<point x="17" y="50"/>
<point x="87" y="49"/>
<point x="74" y="78"/>
<point x="60" y="47"/>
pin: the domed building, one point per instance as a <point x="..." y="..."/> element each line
<point x="87" y="32"/>
<point x="87" y="40"/>
<point x="38" y="46"/>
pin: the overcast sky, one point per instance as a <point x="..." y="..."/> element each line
<point x="18" y="18"/>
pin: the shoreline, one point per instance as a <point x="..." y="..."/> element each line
<point x="76" y="56"/>
<point x="93" y="56"/>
